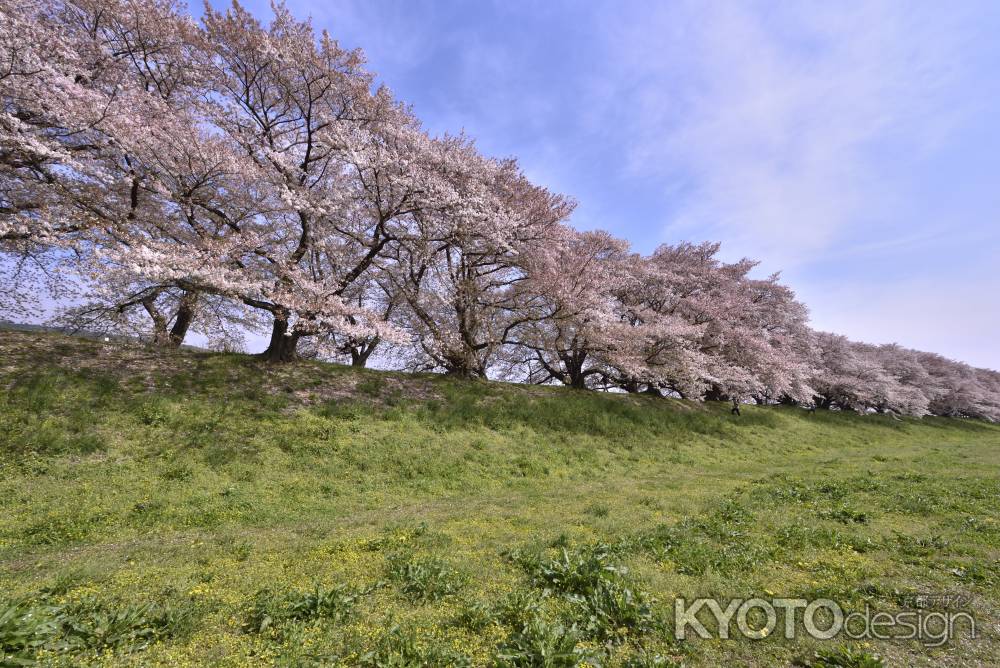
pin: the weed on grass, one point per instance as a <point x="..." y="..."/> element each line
<point x="29" y="630"/>
<point x="273" y="610"/>
<point x="542" y="644"/>
<point x="423" y="579"/>
<point x="400" y="648"/>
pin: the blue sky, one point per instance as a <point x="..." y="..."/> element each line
<point x="855" y="147"/>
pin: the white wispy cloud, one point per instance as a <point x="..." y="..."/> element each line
<point x="775" y="117"/>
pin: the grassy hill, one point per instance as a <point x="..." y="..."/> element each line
<point x="192" y="508"/>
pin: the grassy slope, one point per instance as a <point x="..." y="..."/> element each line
<point x="197" y="480"/>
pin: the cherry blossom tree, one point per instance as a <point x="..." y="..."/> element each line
<point x="958" y="390"/>
<point x="653" y="347"/>
<point x="53" y="104"/>
<point x="760" y="346"/>
<point x="989" y="406"/>
<point x="373" y="295"/>
<point x="456" y="270"/>
<point x="893" y="379"/>
<point x="300" y="172"/>
<point x="570" y="322"/>
<point x="850" y="376"/>
<point x="706" y="327"/>
<point x="910" y="382"/>
<point x="152" y="45"/>
<point x="116" y="91"/>
<point x="163" y="315"/>
<point x="68" y="93"/>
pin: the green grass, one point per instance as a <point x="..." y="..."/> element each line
<point x="206" y="509"/>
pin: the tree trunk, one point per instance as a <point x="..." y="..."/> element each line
<point x="463" y="364"/>
<point x="282" y="347"/>
<point x="460" y="371"/>
<point x="359" y="356"/>
<point x="573" y="363"/>
<point x="574" y="374"/>
<point x="161" y="338"/>
<point x="715" y="394"/>
<point x="185" y="316"/>
<point x="361" y="350"/>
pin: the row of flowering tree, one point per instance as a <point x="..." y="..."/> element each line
<point x="164" y="175"/>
